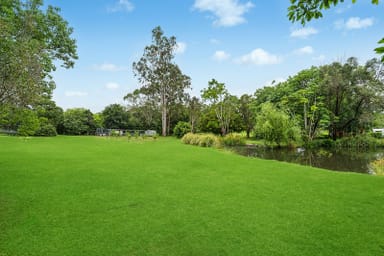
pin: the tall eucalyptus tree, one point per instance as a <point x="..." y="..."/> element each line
<point x="160" y="77"/>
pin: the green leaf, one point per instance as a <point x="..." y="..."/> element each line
<point x="379" y="50"/>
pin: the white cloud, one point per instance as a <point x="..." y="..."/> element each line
<point x="227" y="12"/>
<point x="180" y="47"/>
<point x="75" y="94"/>
<point x="304" y="50"/>
<point x="354" y="23"/>
<point x="109" y="67"/>
<point x="221" y="56"/>
<point x="121" y="6"/>
<point x="112" y="86"/>
<point x="303" y="32"/>
<point x="357" y="23"/>
<point x="259" y="57"/>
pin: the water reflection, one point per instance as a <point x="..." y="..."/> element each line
<point x="344" y="160"/>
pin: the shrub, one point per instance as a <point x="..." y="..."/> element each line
<point x="276" y="126"/>
<point x="320" y="143"/>
<point x="181" y="129"/>
<point x="233" y="139"/>
<point x="46" y="128"/>
<point x="29" y="123"/>
<point x="357" y="142"/>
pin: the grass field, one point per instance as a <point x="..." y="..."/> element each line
<point x="107" y="196"/>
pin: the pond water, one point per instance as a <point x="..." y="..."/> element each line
<point x="345" y="160"/>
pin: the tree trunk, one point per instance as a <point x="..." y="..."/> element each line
<point x="164" y="116"/>
<point x="223" y="131"/>
<point x="305" y="117"/>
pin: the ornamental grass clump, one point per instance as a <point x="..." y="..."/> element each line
<point x="233" y="139"/>
<point x="202" y="140"/>
<point x="377" y="166"/>
<point x="187" y="138"/>
<point x="209" y="140"/>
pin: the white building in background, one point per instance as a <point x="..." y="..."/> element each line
<point x="379" y="130"/>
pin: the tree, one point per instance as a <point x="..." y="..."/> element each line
<point x="222" y="102"/>
<point x="115" y="116"/>
<point x="275" y="126"/>
<point x="194" y="108"/>
<point x="98" y="118"/>
<point x="78" y="121"/>
<point x="208" y="120"/>
<point x="32" y="42"/>
<point x="46" y="128"/>
<point x="49" y="112"/>
<point x="28" y="122"/>
<point x="304" y="100"/>
<point x="353" y="93"/>
<point x="160" y="78"/>
<point x="144" y="110"/>
<point x="181" y="129"/>
<point x="247" y="113"/>
<point x="306" y="10"/>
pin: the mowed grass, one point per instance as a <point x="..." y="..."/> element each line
<point x="107" y="196"/>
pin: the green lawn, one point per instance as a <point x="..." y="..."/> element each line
<point x="106" y="196"/>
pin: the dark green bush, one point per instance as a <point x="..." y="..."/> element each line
<point x="357" y="142"/>
<point x="320" y="143"/>
<point x="181" y="129"/>
<point x="46" y="129"/>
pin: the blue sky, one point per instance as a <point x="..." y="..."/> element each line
<point x="244" y="44"/>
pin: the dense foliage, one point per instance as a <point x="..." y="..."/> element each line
<point x="79" y="121"/>
<point x="275" y="126"/>
<point x="33" y="39"/>
<point x="115" y="116"/>
<point x="181" y="129"/>
<point x="336" y="100"/>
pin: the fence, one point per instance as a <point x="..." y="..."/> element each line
<point x="123" y="132"/>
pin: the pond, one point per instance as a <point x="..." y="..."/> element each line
<point x="343" y="160"/>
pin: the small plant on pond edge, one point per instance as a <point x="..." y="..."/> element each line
<point x="377" y="166"/>
<point x="233" y="139"/>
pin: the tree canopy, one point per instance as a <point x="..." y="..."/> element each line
<point x="32" y="42"/>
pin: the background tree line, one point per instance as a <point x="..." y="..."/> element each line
<point x="338" y="99"/>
